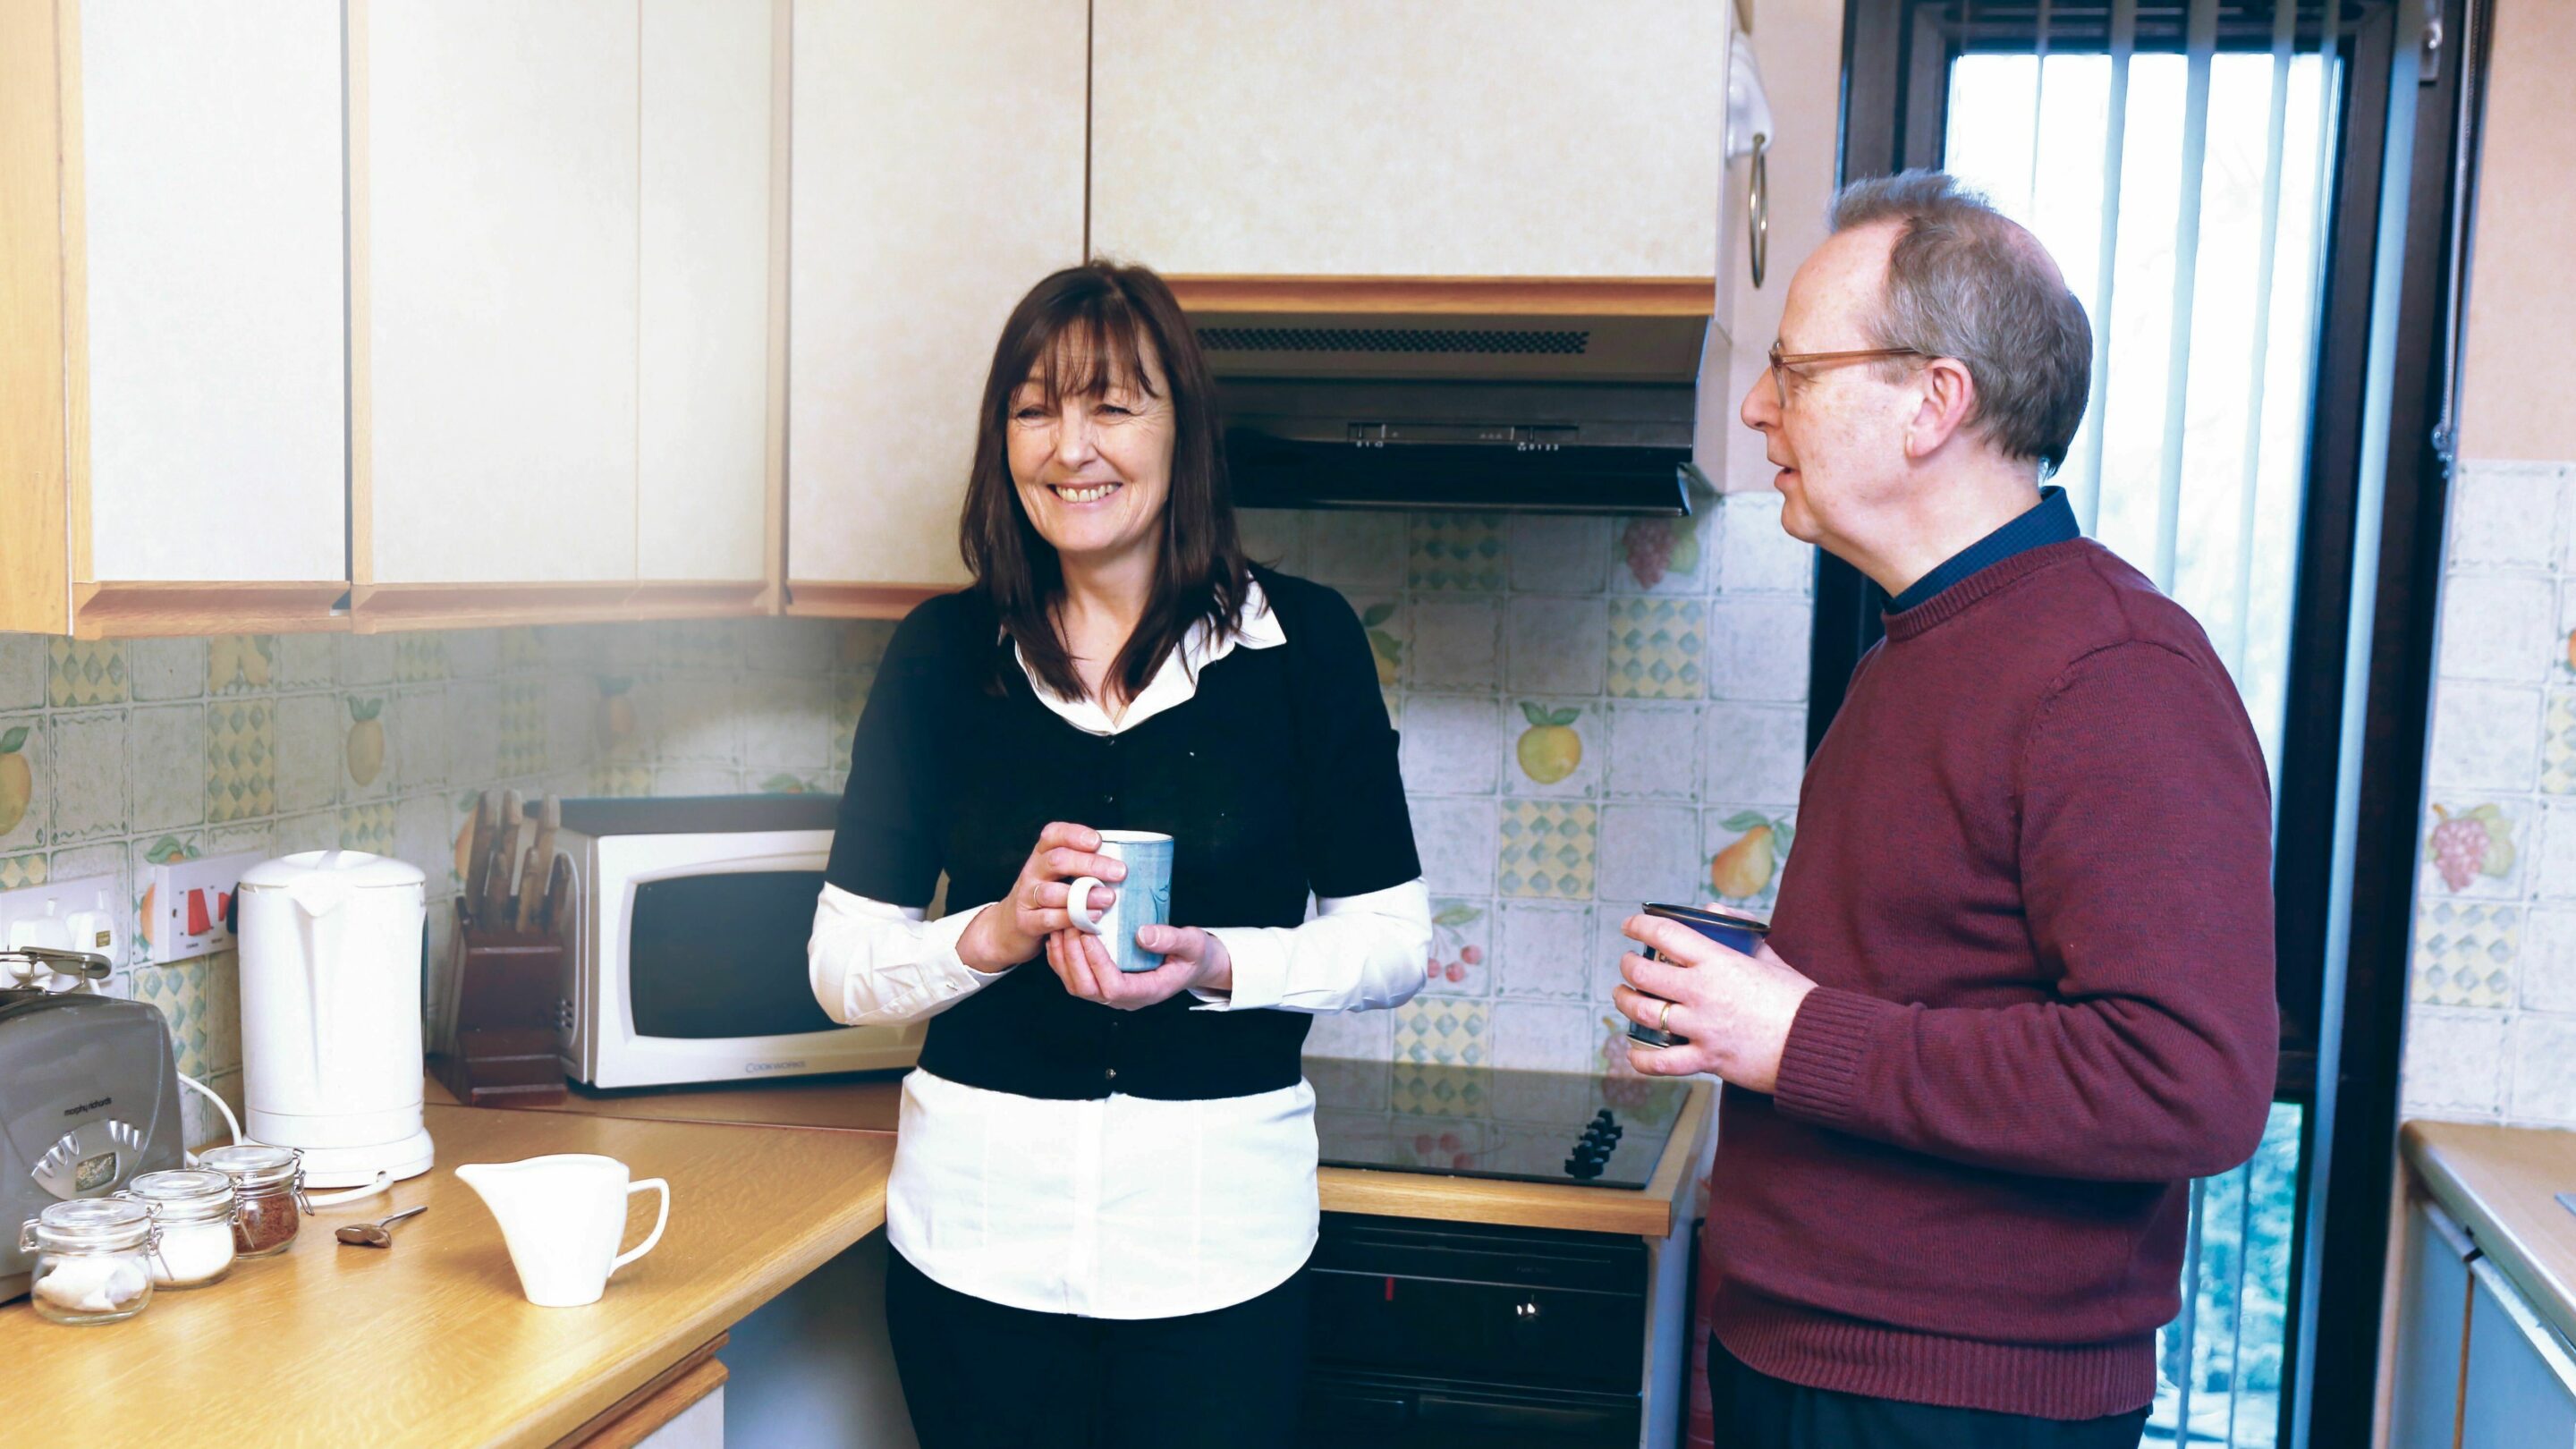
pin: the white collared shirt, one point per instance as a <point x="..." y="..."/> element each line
<point x="1124" y="1207"/>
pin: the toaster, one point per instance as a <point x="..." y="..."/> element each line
<point x="89" y="1099"/>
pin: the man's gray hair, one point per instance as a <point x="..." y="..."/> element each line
<point x="1966" y="281"/>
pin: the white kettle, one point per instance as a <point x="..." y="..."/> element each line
<point x="330" y="996"/>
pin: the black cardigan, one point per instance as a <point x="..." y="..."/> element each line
<point x="1276" y="780"/>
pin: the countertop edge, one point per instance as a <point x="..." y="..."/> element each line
<point x="2552" y="1296"/>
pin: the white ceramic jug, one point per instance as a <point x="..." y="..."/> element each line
<point x="561" y="1217"/>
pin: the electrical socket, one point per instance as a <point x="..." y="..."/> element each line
<point x="185" y="901"/>
<point x="67" y="915"/>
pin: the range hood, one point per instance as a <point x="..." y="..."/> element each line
<point x="1504" y="395"/>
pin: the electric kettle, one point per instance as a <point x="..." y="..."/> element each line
<point x="331" y="951"/>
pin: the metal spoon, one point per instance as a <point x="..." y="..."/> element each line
<point x="373" y="1235"/>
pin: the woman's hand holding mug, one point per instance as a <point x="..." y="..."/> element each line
<point x="1014" y="929"/>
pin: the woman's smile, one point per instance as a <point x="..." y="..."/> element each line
<point x="1079" y="493"/>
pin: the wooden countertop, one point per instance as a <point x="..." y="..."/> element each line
<point x="432" y="1344"/>
<point x="872" y="1104"/>
<point x="2501" y="1184"/>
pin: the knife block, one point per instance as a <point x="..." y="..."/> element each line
<point x="507" y="984"/>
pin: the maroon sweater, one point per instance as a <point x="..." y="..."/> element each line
<point x="2033" y="885"/>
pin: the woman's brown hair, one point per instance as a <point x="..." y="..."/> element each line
<point x="1081" y="332"/>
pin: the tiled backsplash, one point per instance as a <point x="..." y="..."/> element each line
<point x="1595" y="713"/>
<point x="2491" y="1013"/>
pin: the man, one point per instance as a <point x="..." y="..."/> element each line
<point x="2018" y="990"/>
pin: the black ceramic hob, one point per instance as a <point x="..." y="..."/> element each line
<point x="1571" y="1127"/>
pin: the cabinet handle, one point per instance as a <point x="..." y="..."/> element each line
<point x="1757" y="209"/>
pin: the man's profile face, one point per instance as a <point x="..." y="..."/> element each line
<point x="1835" y="430"/>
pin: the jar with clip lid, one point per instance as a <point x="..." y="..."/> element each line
<point x="194" y="1208"/>
<point x="93" y="1259"/>
<point x="268" y="1189"/>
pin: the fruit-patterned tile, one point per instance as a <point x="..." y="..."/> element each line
<point x="365" y="659"/>
<point x="1437" y="1143"/>
<point x="1390" y="635"/>
<point x="23" y="671"/>
<point x="1553" y="747"/>
<point x="168" y="758"/>
<point x="1544" y="951"/>
<point x="2465" y="953"/>
<point x="1753" y="751"/>
<point x="1758" y="648"/>
<point x="304" y="661"/>
<point x="1649" y="852"/>
<point x="309" y="748"/>
<point x="1457" y="553"/>
<point x="522" y="705"/>
<point x="367" y="827"/>
<point x="86" y="672"/>
<point x="1462" y="948"/>
<point x="2474" y="847"/>
<point x="1541" y="1036"/>
<point x="86" y="775"/>
<point x="1458" y="840"/>
<point x="1440" y="1030"/>
<point x="26" y="790"/>
<point x="1759" y="556"/>
<point x="1654" y="750"/>
<point x="241" y="758"/>
<point x="1560" y="555"/>
<point x="1671" y="556"/>
<point x="1548" y="849"/>
<point x="168" y="668"/>
<point x="1745" y="847"/>
<point x="1451" y="743"/>
<point x="372" y="722"/>
<point x="1357" y="550"/>
<point x="1552" y="644"/>
<point x="420" y="658"/>
<point x="1456" y="643"/>
<point x="1658" y="648"/>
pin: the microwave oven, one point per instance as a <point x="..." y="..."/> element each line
<point x="688" y="944"/>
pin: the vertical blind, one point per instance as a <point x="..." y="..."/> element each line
<point x="2179" y="162"/>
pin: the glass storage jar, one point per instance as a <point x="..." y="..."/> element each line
<point x="193" y="1207"/>
<point x="268" y="1188"/>
<point x="93" y="1259"/>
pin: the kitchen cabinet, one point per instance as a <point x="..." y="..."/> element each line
<point x="938" y="175"/>
<point x="1355" y="139"/>
<point x="2433" y="1326"/>
<point x="564" y="308"/>
<point x="171" y="317"/>
<point x="2519" y="1390"/>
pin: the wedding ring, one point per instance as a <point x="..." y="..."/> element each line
<point x="1664" y="1018"/>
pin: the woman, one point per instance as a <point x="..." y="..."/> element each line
<point x="1104" y="1191"/>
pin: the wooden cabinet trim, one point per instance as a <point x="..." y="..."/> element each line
<point x="35" y="579"/>
<point x="819" y="599"/>
<point x="1464" y="296"/>
<point x="662" y="1398"/>
<point x="143" y="609"/>
<point x="387" y="608"/>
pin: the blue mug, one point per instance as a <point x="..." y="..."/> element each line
<point x="1733" y="932"/>
<point x="1144" y="897"/>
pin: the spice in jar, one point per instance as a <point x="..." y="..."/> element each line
<point x="93" y="1260"/>
<point x="268" y="1188"/>
<point x="194" y="1210"/>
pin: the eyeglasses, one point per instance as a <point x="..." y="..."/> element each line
<point x="1783" y="360"/>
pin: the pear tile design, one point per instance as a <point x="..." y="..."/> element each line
<point x="1548" y="849"/>
<point x="241" y="759"/>
<point x="86" y="672"/>
<point x="1658" y="648"/>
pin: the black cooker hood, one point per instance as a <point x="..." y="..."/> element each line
<point x="1489" y="412"/>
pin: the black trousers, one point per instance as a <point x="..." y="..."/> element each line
<point x="978" y="1375"/>
<point x="1753" y="1410"/>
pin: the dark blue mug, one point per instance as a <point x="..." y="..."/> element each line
<point x="1733" y="932"/>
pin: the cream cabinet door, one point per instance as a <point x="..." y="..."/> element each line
<point x="500" y="286"/>
<point x="207" y="168"/>
<point x="1527" y="138"/>
<point x="2520" y="1388"/>
<point x="704" y="380"/>
<point x="938" y="175"/>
